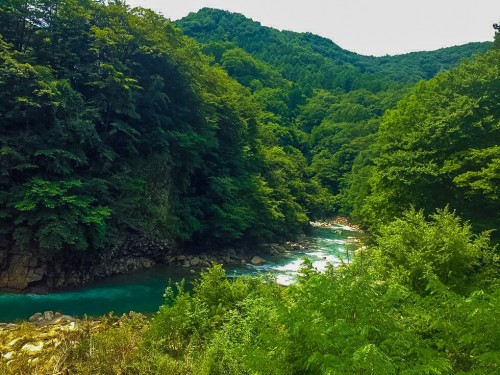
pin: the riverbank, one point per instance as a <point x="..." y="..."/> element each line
<point x="24" y="272"/>
<point x="337" y="220"/>
<point x="46" y="339"/>
<point x="48" y="343"/>
<point x="142" y="290"/>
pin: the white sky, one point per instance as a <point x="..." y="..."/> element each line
<point x="369" y="27"/>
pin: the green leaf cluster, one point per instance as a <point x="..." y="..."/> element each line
<point x="440" y="147"/>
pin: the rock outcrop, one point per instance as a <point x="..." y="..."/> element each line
<point x="20" y="268"/>
<point x="24" y="271"/>
<point x="257" y="260"/>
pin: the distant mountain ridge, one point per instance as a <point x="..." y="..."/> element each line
<point x="287" y="49"/>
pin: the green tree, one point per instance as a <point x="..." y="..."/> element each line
<point x="438" y="147"/>
<point x="417" y="251"/>
<point x="496" y="43"/>
<point x="56" y="216"/>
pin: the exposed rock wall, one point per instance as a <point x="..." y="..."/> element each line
<point x="19" y="269"/>
<point x="33" y="272"/>
<point x="24" y="271"/>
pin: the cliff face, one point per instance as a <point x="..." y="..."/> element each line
<point x="25" y="271"/>
<point x="19" y="269"/>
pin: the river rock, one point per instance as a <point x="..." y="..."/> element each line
<point x="277" y="248"/>
<point x="48" y="315"/>
<point x="14" y="342"/>
<point x="68" y="318"/>
<point x="274" y="252"/>
<point x="35" y="317"/>
<point x="195" y="261"/>
<point x="180" y="258"/>
<point x="256" y="260"/>
<point x="57" y="321"/>
<point x="8" y="355"/>
<point x="19" y="269"/>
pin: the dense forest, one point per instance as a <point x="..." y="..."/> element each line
<point x="215" y="130"/>
<point x="332" y="112"/>
<point x="113" y="121"/>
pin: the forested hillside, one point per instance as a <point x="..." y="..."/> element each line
<point x="313" y="60"/>
<point x="112" y="121"/>
<point x="440" y="147"/>
<point x="328" y="103"/>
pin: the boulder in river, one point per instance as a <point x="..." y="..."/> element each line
<point x="256" y="260"/>
<point x="195" y="261"/>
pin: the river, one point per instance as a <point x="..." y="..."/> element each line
<point x="142" y="291"/>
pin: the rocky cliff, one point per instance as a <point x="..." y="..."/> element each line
<point x="24" y="271"/>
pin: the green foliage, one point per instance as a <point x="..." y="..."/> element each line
<point x="112" y="121"/>
<point x="309" y="59"/>
<point x="385" y="313"/>
<point x="417" y="251"/>
<point x="440" y="147"/>
<point x="113" y="350"/>
<point x="58" y="216"/>
<point x="130" y="127"/>
<point x="480" y="172"/>
<point x="328" y="103"/>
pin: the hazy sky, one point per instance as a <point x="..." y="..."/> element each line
<point x="370" y="27"/>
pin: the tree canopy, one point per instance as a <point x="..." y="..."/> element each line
<point x="440" y="147"/>
<point x="112" y="121"/>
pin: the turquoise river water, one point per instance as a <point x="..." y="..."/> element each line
<point x="142" y="291"/>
